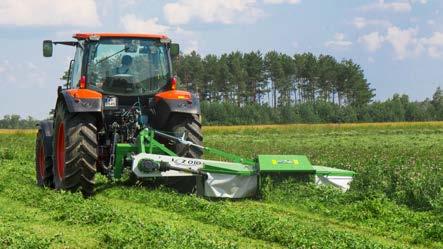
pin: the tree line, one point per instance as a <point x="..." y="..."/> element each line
<point x="256" y="88"/>
<point x="395" y="109"/>
<point x="16" y="122"/>
<point x="275" y="79"/>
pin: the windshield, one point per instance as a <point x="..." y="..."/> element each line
<point x="128" y="66"/>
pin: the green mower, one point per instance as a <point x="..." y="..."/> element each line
<point x="235" y="177"/>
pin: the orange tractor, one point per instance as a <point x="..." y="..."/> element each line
<point x="117" y="84"/>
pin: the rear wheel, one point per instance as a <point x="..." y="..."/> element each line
<point x="43" y="160"/>
<point x="189" y="127"/>
<point x="75" y="151"/>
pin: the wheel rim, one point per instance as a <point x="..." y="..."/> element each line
<point x="60" y="151"/>
<point x="41" y="160"/>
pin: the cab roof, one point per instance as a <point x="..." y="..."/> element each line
<point x="82" y="36"/>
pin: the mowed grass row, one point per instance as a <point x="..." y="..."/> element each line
<point x="290" y="215"/>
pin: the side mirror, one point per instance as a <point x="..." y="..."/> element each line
<point x="47" y="48"/>
<point x="174" y="50"/>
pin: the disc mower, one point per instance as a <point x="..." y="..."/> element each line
<point x="120" y="113"/>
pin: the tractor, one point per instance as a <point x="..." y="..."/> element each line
<point x="120" y="111"/>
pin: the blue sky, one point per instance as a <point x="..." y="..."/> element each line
<point x="398" y="43"/>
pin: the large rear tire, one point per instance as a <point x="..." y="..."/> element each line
<point x="75" y="150"/>
<point x="43" y="160"/>
<point x="188" y="126"/>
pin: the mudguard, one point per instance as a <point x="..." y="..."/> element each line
<point x="82" y="100"/>
<point x="47" y="129"/>
<point x="170" y="102"/>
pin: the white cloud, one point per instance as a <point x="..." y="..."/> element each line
<point x="49" y="13"/>
<point x="29" y="73"/>
<point x="128" y="3"/>
<point x="420" y="1"/>
<point x="212" y="11"/>
<point x="372" y="41"/>
<point x="361" y="22"/>
<point x="435" y="40"/>
<point x="31" y="65"/>
<point x="396" y="6"/>
<point x="434" y="45"/>
<point x="435" y="52"/>
<point x="282" y="1"/>
<point x="186" y="38"/>
<point x="404" y="42"/>
<point x="135" y="25"/>
<point x="339" y="42"/>
<point x="66" y="34"/>
<point x="5" y="68"/>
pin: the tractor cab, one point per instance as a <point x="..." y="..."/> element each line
<point x="120" y="64"/>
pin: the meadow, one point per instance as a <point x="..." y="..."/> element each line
<point x="395" y="201"/>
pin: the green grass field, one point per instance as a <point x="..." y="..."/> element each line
<point x="396" y="200"/>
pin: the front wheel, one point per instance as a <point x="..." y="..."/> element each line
<point x="43" y="160"/>
<point x="75" y="150"/>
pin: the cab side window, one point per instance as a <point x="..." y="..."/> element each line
<point x="77" y="66"/>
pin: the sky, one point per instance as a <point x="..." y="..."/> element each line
<point x="398" y="43"/>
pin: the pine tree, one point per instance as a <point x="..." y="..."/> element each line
<point x="274" y="72"/>
<point x="255" y="78"/>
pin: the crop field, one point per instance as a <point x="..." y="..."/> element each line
<point x="395" y="201"/>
